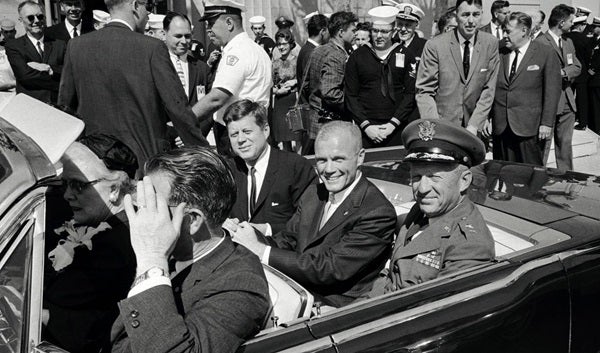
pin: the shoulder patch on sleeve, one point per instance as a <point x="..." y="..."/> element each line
<point x="232" y="60"/>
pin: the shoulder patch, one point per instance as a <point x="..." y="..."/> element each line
<point x="232" y="60"/>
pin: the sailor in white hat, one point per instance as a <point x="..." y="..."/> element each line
<point x="101" y="18"/>
<point x="407" y="21"/>
<point x="257" y="25"/>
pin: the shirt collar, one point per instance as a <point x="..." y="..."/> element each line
<point x="340" y="196"/>
<point x="554" y="36"/>
<point x="407" y="43"/>
<point x="262" y="162"/>
<point x="121" y="21"/>
<point x="524" y="47"/>
<point x="461" y="39"/>
<point x="183" y="58"/>
<point x="70" y="27"/>
<point x="313" y="42"/>
<point x="34" y="41"/>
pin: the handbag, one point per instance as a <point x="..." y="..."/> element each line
<point x="298" y="114"/>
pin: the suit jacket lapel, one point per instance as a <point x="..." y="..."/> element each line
<point x="31" y="49"/>
<point x="475" y="57"/>
<point x="241" y="170"/>
<point x="47" y="51"/>
<point x="506" y="66"/>
<point x="555" y="46"/>
<point x="192" y="72"/>
<point x="528" y="56"/>
<point x="317" y="208"/>
<point x="269" y="180"/>
<point x="455" y="51"/>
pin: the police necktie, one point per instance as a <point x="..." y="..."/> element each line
<point x="40" y="50"/>
<point x="513" y="66"/>
<point x="466" y="58"/>
<point x="252" y="191"/>
<point x="75" y="34"/>
<point x="180" y="72"/>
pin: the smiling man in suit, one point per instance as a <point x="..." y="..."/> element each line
<point x="35" y="59"/>
<point x="340" y="236"/>
<point x="456" y="80"/>
<point x="71" y="26"/>
<point x="269" y="181"/>
<point x="560" y="22"/>
<point x="527" y="90"/>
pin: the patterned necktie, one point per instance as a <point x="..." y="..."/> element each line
<point x="513" y="66"/>
<point x="75" y="34"/>
<point x="466" y="58"/>
<point x="40" y="50"/>
<point x="180" y="72"/>
<point x="252" y="205"/>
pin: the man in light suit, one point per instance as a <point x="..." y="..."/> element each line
<point x="560" y="21"/>
<point x="340" y="237"/>
<point x="218" y="296"/>
<point x="269" y="181"/>
<point x="527" y="90"/>
<point x="123" y="83"/>
<point x="457" y="82"/>
<point x="71" y="27"/>
<point x="35" y="59"/>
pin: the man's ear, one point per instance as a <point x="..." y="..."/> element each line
<point x="197" y="221"/>
<point x="465" y="180"/>
<point x="115" y="193"/>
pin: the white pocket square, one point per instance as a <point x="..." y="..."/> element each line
<point x="532" y="67"/>
<point x="273" y="204"/>
<point x="483" y="70"/>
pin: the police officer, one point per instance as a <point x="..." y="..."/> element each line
<point x="443" y="232"/>
<point x="257" y="25"/>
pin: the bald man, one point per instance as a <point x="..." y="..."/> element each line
<point x="341" y="234"/>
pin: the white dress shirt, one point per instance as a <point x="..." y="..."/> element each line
<point x="511" y="56"/>
<point x="556" y="38"/>
<point x="35" y="42"/>
<point x="496" y="30"/>
<point x="121" y="21"/>
<point x="70" y="28"/>
<point x="461" y="41"/>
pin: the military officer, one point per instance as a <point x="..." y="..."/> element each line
<point x="257" y="25"/>
<point x="443" y="232"/>
<point x="407" y="21"/>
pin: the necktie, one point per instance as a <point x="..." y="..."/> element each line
<point x="40" y="50"/>
<point x="466" y="58"/>
<point x="560" y="43"/>
<point x="252" y="190"/>
<point x="326" y="209"/>
<point x="180" y="72"/>
<point x="498" y="32"/>
<point x="513" y="66"/>
<point x="75" y="34"/>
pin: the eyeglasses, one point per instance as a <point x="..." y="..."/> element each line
<point x="382" y="31"/>
<point x="31" y="18"/>
<point x="78" y="186"/>
<point x="282" y="44"/>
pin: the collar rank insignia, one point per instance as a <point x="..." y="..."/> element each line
<point x="426" y="130"/>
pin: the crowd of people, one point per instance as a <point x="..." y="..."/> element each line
<point x="168" y="235"/>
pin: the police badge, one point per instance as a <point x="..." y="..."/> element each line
<point x="426" y="130"/>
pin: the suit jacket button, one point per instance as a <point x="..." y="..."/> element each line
<point x="135" y="323"/>
<point x="134" y="314"/>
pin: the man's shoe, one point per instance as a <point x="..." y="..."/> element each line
<point x="580" y="127"/>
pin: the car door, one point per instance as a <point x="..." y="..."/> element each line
<point x="21" y="273"/>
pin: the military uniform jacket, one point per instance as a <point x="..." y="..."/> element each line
<point x="457" y="240"/>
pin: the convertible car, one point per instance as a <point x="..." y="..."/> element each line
<point x="540" y="294"/>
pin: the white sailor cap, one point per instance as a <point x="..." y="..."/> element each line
<point x="307" y="17"/>
<point x="155" y="21"/>
<point x="257" y="20"/>
<point x="410" y="12"/>
<point x="596" y="21"/>
<point x="101" y="16"/>
<point x="383" y="15"/>
<point x="582" y="11"/>
<point x="580" y="19"/>
<point x="389" y="3"/>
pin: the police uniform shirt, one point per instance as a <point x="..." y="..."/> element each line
<point x="244" y="71"/>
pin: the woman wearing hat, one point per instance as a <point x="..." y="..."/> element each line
<point x="93" y="264"/>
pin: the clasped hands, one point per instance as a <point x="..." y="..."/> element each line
<point x="244" y="233"/>
<point x="378" y="133"/>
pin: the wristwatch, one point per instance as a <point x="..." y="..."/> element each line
<point x="151" y="273"/>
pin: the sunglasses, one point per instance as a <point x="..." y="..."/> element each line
<point x="78" y="186"/>
<point x="32" y="18"/>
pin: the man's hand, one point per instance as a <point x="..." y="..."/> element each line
<point x="472" y="129"/>
<point x="591" y="72"/>
<point x="261" y="227"/>
<point x="231" y="224"/>
<point x="487" y="129"/>
<point x="40" y="66"/>
<point x="374" y="133"/>
<point x="386" y="129"/>
<point x="544" y="132"/>
<point x="153" y="232"/>
<point x="246" y="236"/>
<point x="178" y="142"/>
<point x="214" y="56"/>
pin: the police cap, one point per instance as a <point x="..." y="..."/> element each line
<point x="214" y="8"/>
<point x="283" y="21"/>
<point x="435" y="140"/>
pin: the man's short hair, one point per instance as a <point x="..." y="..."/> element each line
<point x="200" y="178"/>
<point x="523" y="20"/>
<point x="170" y="16"/>
<point x="315" y="24"/>
<point x="543" y="16"/>
<point x="337" y="127"/>
<point x="340" y="21"/>
<point x="497" y="5"/>
<point x="443" y="21"/>
<point x="29" y="2"/>
<point x="363" y="26"/>
<point x="243" y="108"/>
<point x="469" y="2"/>
<point x="560" y="13"/>
<point x="114" y="3"/>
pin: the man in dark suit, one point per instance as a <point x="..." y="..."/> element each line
<point x="218" y="296"/>
<point x="594" y="83"/>
<point x="317" y="35"/>
<point x="583" y="50"/>
<point x="122" y="82"/>
<point x="456" y="80"/>
<point x="340" y="237"/>
<point x="444" y="232"/>
<point x="71" y="27"/>
<point x="500" y="12"/>
<point x="527" y="90"/>
<point x="36" y="60"/>
<point x="560" y="21"/>
<point x="194" y="74"/>
<point x="269" y="181"/>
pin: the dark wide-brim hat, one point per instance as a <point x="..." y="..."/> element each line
<point x="436" y="140"/>
<point x="214" y="8"/>
<point x="114" y="153"/>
